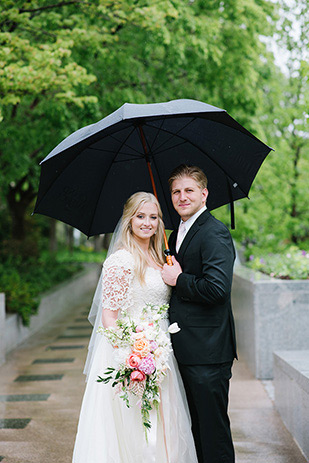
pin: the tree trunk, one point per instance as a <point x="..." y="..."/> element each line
<point x="98" y="243"/>
<point x="70" y="237"/>
<point x="53" y="245"/>
<point x="295" y="174"/>
<point x="18" y="202"/>
<point x="107" y="240"/>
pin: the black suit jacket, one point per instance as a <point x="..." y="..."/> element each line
<point x="201" y="299"/>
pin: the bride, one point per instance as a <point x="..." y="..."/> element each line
<point x="108" y="431"/>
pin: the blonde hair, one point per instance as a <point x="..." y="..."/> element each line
<point x="126" y="238"/>
<point x="188" y="171"/>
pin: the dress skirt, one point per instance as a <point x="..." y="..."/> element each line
<point x="110" y="432"/>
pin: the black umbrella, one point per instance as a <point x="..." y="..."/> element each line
<point x="87" y="178"/>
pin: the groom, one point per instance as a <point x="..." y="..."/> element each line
<point x="205" y="346"/>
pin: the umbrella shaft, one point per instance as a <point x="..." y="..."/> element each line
<point x="168" y="257"/>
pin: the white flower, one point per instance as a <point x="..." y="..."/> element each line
<point x="156" y="317"/>
<point x="144" y="325"/>
<point x="158" y="351"/>
<point x="173" y="328"/>
<point x="139" y="335"/>
<point x="121" y="354"/>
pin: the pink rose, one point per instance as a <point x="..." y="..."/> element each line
<point x="133" y="361"/>
<point x="147" y="365"/>
<point x="137" y="375"/>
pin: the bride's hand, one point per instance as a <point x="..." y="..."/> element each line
<point x="170" y="273"/>
<point x="109" y="318"/>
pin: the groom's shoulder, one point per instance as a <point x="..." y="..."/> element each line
<point x="215" y="225"/>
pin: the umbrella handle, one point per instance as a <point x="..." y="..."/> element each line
<point x="167" y="252"/>
<point x="168" y="257"/>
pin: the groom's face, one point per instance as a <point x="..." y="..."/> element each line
<point x="187" y="197"/>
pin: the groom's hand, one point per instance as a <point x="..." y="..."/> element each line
<point x="170" y="273"/>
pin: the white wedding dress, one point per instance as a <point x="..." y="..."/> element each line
<point x="108" y="431"/>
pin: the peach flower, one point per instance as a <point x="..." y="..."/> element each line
<point x="141" y="347"/>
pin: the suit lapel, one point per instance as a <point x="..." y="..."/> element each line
<point x="193" y="230"/>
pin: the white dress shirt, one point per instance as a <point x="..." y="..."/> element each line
<point x="184" y="227"/>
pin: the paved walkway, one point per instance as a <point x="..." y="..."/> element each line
<point x="41" y="388"/>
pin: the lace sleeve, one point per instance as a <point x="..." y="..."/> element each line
<point x="116" y="284"/>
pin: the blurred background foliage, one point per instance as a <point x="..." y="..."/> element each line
<point x="66" y="64"/>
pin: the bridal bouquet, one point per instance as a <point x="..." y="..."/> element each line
<point x="142" y="352"/>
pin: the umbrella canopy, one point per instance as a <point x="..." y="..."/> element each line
<point x="87" y="178"/>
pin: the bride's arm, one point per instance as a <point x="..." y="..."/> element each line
<point x="116" y="293"/>
<point x="109" y="318"/>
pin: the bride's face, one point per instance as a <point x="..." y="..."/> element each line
<point x="145" y="222"/>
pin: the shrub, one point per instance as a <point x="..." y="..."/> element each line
<point x="81" y="254"/>
<point x="23" y="280"/>
<point x="20" y="296"/>
<point x="292" y="263"/>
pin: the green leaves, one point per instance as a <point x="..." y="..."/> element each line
<point x="65" y="66"/>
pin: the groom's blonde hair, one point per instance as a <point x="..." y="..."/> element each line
<point x="188" y="171"/>
<point x="127" y="241"/>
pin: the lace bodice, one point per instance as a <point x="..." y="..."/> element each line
<point x="122" y="289"/>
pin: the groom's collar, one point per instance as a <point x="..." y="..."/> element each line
<point x="201" y="219"/>
<point x="188" y="223"/>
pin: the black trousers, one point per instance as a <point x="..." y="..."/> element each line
<point x="207" y="388"/>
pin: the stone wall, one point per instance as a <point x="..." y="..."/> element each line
<point x="291" y="373"/>
<point x="74" y="292"/>
<point x="2" y="328"/>
<point x="270" y="315"/>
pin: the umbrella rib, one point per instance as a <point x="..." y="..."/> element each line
<point x="111" y="151"/>
<point x="206" y="154"/>
<point x="99" y="195"/>
<point x="158" y="131"/>
<point x="70" y="163"/>
<point x="163" y="191"/>
<point x="171" y="147"/>
<point x="128" y="160"/>
<point x="172" y="133"/>
<point x="126" y="145"/>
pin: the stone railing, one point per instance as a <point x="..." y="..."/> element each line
<point x="291" y="373"/>
<point x="2" y="328"/>
<point x="62" y="298"/>
<point x="270" y="315"/>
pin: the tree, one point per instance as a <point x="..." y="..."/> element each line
<point x="292" y="114"/>
<point x="66" y="64"/>
<point x="277" y="214"/>
<point x="40" y="86"/>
